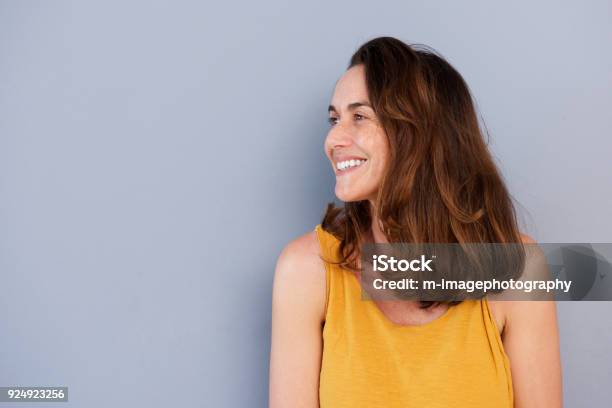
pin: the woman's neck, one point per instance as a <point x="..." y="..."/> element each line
<point x="378" y="236"/>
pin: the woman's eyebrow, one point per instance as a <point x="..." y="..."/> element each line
<point x="350" y="106"/>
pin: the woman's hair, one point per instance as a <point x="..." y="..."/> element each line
<point x="441" y="184"/>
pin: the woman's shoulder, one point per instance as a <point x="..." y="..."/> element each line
<point x="302" y="249"/>
<point x="299" y="277"/>
<point x="503" y="310"/>
<point x="527" y="239"/>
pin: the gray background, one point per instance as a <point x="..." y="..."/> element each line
<point x="155" y="157"/>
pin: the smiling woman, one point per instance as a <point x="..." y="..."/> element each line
<point x="412" y="166"/>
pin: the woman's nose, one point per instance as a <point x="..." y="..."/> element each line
<point x="339" y="136"/>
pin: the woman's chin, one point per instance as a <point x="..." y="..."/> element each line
<point x="349" y="195"/>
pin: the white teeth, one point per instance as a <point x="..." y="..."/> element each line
<point x="349" y="163"/>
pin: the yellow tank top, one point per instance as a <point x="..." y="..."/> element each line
<point x="454" y="361"/>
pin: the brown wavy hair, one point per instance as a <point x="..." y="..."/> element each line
<point x="441" y="184"/>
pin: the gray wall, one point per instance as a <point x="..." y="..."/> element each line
<point x="156" y="156"/>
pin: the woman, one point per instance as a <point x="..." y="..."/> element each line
<point x="411" y="165"/>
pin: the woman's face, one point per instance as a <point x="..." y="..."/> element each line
<point x="356" y="144"/>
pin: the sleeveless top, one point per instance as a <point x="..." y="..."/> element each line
<point x="456" y="360"/>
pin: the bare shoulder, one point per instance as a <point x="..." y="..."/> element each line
<point x="300" y="258"/>
<point x="527" y="239"/>
<point x="502" y="309"/>
<point x="299" y="277"/>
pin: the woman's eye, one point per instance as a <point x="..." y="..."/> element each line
<point x="332" y="121"/>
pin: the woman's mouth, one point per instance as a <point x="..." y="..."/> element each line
<point x="346" y="166"/>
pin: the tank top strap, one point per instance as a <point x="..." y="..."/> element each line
<point x="328" y="245"/>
